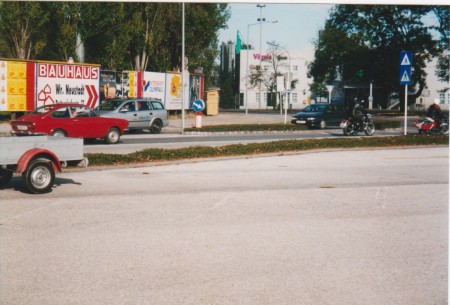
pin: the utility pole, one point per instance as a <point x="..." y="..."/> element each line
<point x="260" y="20"/>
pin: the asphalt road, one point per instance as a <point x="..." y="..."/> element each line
<point x="330" y="227"/>
<point x="135" y="142"/>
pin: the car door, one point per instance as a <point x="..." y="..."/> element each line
<point x="129" y="112"/>
<point x="332" y="115"/>
<point x="159" y="111"/>
<point x="86" y="124"/>
<point x="145" y="113"/>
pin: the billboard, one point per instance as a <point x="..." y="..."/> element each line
<point x="154" y="85"/>
<point x="127" y="84"/>
<point x="107" y="85"/>
<point x="67" y="83"/>
<point x="16" y="86"/>
<point x="173" y="91"/>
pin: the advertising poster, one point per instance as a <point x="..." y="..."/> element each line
<point x="154" y="85"/>
<point x="122" y="84"/>
<point x="173" y="92"/>
<point x="67" y="83"/>
<point x="107" y="85"/>
<point x="196" y="85"/>
<point x="127" y="84"/>
<point x="16" y="93"/>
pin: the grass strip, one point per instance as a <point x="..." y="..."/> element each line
<point x="155" y="154"/>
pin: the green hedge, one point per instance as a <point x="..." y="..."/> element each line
<point x="151" y="155"/>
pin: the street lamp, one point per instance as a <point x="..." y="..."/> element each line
<point x="288" y="81"/>
<point x="261" y="20"/>
<point x="246" y="75"/>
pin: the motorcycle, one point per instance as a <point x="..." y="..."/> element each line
<point x="429" y="126"/>
<point x="351" y="126"/>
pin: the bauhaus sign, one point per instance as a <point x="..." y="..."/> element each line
<point x="67" y="83"/>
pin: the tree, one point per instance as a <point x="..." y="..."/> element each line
<point x="62" y="32"/>
<point x="106" y="33"/>
<point x="372" y="38"/>
<point x="147" y="36"/>
<point x="442" y="14"/>
<point x="22" y="28"/>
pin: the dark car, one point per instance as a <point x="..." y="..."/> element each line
<point x="69" y="120"/>
<point x="141" y="113"/>
<point x="320" y="115"/>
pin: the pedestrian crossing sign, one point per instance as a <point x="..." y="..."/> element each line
<point x="405" y="75"/>
<point x="405" y="67"/>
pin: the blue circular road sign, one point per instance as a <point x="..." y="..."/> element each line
<point x="198" y="105"/>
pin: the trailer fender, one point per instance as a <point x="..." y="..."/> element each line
<point x="37" y="153"/>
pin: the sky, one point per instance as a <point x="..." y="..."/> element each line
<point x="296" y="28"/>
<point x="297" y="24"/>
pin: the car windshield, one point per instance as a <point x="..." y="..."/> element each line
<point x="315" y="108"/>
<point x="110" y="105"/>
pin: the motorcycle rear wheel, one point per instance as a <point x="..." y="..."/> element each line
<point x="444" y="129"/>
<point x="348" y="131"/>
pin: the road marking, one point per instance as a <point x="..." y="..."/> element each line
<point x="218" y="204"/>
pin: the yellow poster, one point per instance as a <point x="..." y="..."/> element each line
<point x="13" y="86"/>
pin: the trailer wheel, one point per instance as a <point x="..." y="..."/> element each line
<point x="39" y="176"/>
<point x="5" y="177"/>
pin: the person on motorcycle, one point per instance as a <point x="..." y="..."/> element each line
<point x="434" y="112"/>
<point x="359" y="112"/>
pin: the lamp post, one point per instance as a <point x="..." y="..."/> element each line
<point x="288" y="87"/>
<point x="261" y="20"/>
<point x="247" y="71"/>
<point x="183" y="81"/>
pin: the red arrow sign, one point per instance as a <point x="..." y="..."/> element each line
<point x="93" y="96"/>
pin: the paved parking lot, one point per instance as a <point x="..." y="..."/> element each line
<point x="344" y="227"/>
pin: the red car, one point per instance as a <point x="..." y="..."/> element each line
<point x="69" y="120"/>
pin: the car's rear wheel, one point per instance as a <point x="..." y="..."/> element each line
<point x="59" y="133"/>
<point x="156" y="127"/>
<point x="113" y="136"/>
<point x="323" y="124"/>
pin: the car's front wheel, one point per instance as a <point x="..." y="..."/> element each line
<point x="113" y="136"/>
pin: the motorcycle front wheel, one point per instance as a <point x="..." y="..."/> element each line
<point x="444" y="129"/>
<point x="370" y="129"/>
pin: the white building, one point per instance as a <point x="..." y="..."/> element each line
<point x="435" y="89"/>
<point x="259" y="98"/>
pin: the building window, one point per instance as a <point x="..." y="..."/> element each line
<point x="442" y="98"/>
<point x="265" y="97"/>
<point x="258" y="97"/>
<point x="294" y="97"/>
<point x="295" y="68"/>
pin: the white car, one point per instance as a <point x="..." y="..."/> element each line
<point x="141" y="113"/>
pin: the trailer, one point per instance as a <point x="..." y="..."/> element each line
<point x="37" y="158"/>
